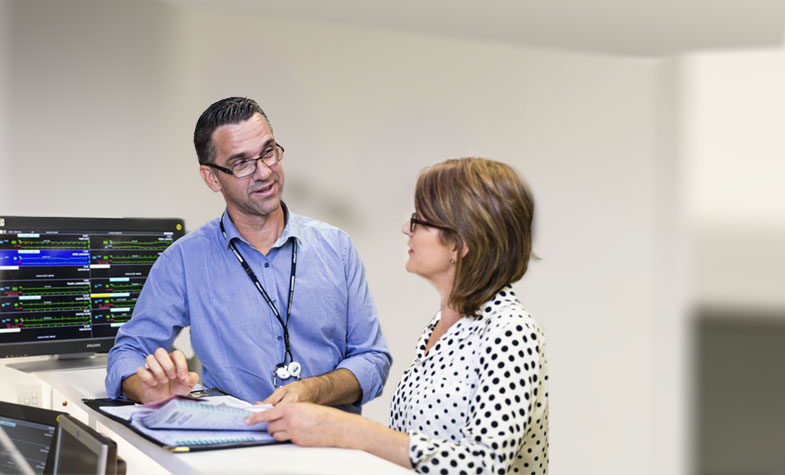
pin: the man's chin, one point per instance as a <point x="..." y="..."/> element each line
<point x="266" y="207"/>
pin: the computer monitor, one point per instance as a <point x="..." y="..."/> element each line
<point x="82" y="450"/>
<point x="68" y="284"/>
<point x="32" y="433"/>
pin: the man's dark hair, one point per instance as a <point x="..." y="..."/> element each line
<point x="231" y="110"/>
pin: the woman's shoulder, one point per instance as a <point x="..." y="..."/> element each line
<point x="504" y="314"/>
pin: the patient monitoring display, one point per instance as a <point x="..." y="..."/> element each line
<point x="68" y="284"/>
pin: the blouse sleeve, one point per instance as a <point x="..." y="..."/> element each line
<point x="510" y="368"/>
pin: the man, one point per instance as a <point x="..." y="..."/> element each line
<point x="257" y="334"/>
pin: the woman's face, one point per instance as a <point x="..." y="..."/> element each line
<point x="429" y="257"/>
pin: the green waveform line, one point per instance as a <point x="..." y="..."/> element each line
<point x="58" y="324"/>
<point x="53" y="247"/>
<point x="62" y="319"/>
<point x="38" y="244"/>
<point x="137" y="245"/>
<point x="126" y="261"/>
<point x="63" y="308"/>
<point x="44" y="289"/>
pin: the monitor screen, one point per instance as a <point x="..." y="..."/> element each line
<point x="68" y="284"/>
<point x="82" y="450"/>
<point x="32" y="432"/>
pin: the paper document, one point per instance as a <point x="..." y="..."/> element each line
<point x="184" y="421"/>
<point x="182" y="413"/>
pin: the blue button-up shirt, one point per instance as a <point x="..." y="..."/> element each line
<point x="199" y="282"/>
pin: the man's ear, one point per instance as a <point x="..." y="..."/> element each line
<point x="208" y="175"/>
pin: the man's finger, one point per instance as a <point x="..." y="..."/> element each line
<point x="155" y="367"/>
<point x="274" y="397"/>
<point x="180" y="365"/>
<point x="165" y="361"/>
<point x="290" y="397"/>
<point x="146" y="376"/>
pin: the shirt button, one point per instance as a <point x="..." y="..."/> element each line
<point x="267" y="264"/>
<point x="280" y="338"/>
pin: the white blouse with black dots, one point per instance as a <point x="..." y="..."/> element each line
<point x="477" y="402"/>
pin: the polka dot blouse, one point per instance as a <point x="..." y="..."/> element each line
<point x="477" y="402"/>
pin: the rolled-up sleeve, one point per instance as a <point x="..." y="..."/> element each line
<point x="158" y="317"/>
<point x="367" y="356"/>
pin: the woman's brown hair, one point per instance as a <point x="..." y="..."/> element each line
<point x="490" y="209"/>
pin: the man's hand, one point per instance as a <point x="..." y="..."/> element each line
<point x="331" y="389"/>
<point x="165" y="375"/>
<point x="296" y="391"/>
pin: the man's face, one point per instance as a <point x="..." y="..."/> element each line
<point x="258" y="194"/>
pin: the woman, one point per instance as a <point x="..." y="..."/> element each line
<point x="475" y="400"/>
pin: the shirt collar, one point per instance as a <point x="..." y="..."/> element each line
<point x="290" y="230"/>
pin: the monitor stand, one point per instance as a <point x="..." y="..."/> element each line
<point x="62" y="362"/>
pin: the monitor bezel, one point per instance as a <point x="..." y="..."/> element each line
<point x="103" y="447"/>
<point x="37" y="415"/>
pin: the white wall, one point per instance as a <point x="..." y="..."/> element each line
<point x="734" y="112"/>
<point x="5" y="47"/>
<point x="104" y="96"/>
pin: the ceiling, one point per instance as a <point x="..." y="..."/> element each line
<point x="614" y="27"/>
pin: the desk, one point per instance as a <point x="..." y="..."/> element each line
<point x="143" y="456"/>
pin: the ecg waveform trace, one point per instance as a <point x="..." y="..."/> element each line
<point x="64" y="288"/>
<point x="74" y="279"/>
<point x="44" y="242"/>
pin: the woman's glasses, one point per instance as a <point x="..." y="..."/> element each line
<point x="414" y="221"/>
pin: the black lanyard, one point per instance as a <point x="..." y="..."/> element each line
<point x="255" y="280"/>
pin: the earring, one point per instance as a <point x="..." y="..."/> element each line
<point x="452" y="261"/>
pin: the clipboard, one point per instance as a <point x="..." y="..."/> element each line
<point x="184" y="445"/>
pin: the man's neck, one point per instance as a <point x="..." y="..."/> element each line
<point x="261" y="232"/>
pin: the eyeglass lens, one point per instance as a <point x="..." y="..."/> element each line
<point x="248" y="167"/>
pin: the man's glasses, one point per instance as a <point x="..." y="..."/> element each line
<point x="248" y="167"/>
<point x="414" y="221"/>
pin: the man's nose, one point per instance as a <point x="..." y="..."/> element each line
<point x="262" y="171"/>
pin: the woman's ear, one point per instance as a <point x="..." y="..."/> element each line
<point x="464" y="249"/>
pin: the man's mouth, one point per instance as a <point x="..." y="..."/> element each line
<point x="265" y="189"/>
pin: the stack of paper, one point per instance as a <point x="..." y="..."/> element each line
<point x="184" y="421"/>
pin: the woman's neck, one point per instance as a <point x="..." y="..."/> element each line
<point x="449" y="315"/>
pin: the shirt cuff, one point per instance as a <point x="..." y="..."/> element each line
<point x="119" y="368"/>
<point x="369" y="379"/>
<point x="421" y="448"/>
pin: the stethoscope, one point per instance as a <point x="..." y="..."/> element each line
<point x="282" y="370"/>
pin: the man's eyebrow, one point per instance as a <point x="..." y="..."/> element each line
<point x="240" y="155"/>
<point x="236" y="156"/>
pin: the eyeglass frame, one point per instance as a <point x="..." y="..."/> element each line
<point x="255" y="160"/>
<point x="414" y="221"/>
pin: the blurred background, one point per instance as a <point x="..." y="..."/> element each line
<point x="650" y="133"/>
